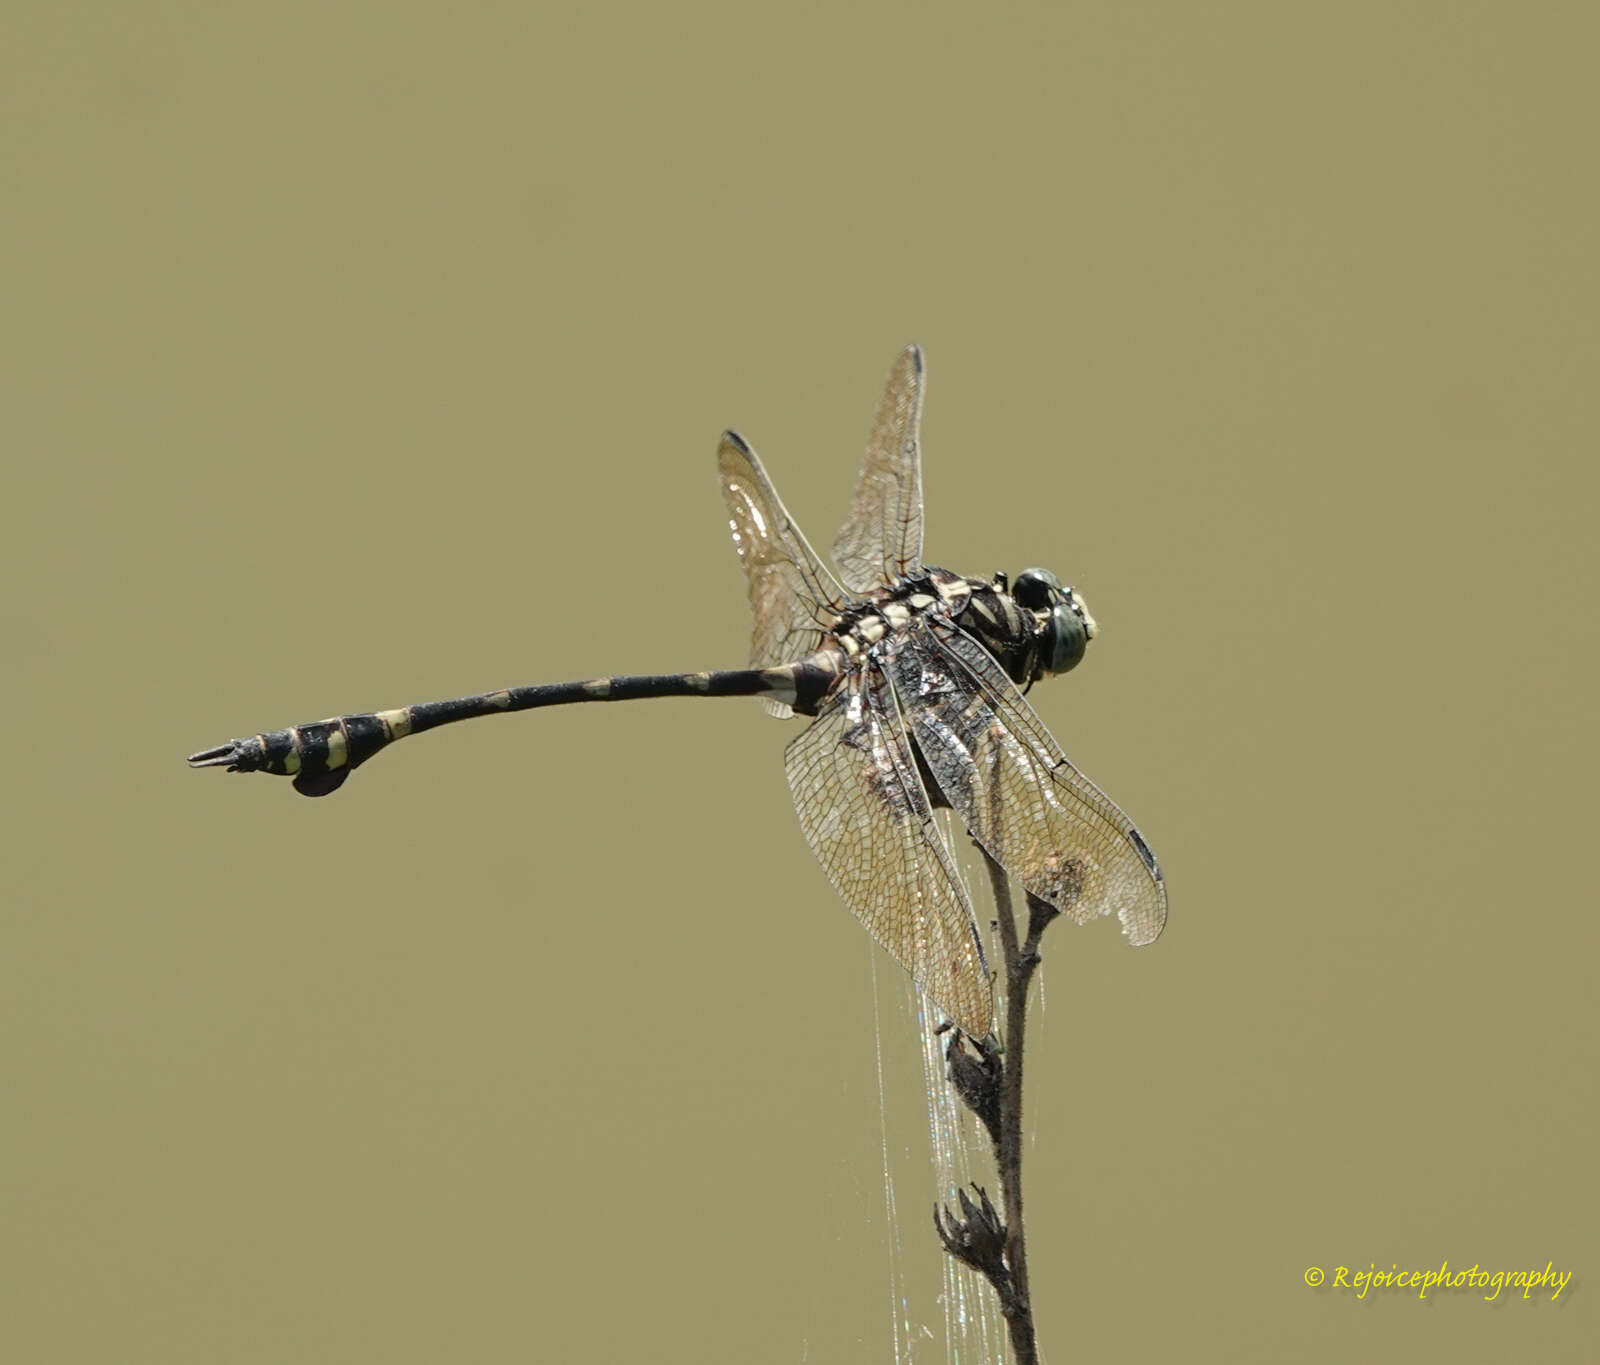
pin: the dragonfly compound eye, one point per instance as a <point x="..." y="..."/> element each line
<point x="1066" y="637"/>
<point x="1036" y="589"/>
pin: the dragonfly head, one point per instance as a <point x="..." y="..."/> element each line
<point x="1065" y="626"/>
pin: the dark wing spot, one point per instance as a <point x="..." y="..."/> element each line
<point x="1143" y="850"/>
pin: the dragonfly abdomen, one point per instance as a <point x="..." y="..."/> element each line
<point x="321" y="754"/>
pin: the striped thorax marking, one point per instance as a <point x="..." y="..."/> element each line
<point x="984" y="611"/>
<point x="953" y="590"/>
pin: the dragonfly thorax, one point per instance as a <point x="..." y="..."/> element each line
<point x="865" y="625"/>
<point x="1036" y="628"/>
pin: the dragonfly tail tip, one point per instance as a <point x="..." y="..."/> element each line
<point x="214" y="758"/>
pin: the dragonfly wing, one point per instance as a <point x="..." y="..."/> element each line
<point x="793" y="597"/>
<point x="868" y="820"/>
<point x="1001" y="771"/>
<point x="881" y="542"/>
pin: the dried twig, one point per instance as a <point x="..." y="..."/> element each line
<point x="988" y="1079"/>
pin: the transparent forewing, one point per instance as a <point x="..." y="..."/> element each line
<point x="882" y="540"/>
<point x="1007" y="779"/>
<point x="793" y="597"/>
<point x="868" y="820"/>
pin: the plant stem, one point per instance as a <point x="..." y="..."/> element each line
<point x="1008" y="1150"/>
<point x="989" y="1082"/>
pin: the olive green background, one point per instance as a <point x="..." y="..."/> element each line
<point x="356" y="355"/>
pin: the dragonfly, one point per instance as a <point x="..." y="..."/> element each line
<point x="913" y="680"/>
